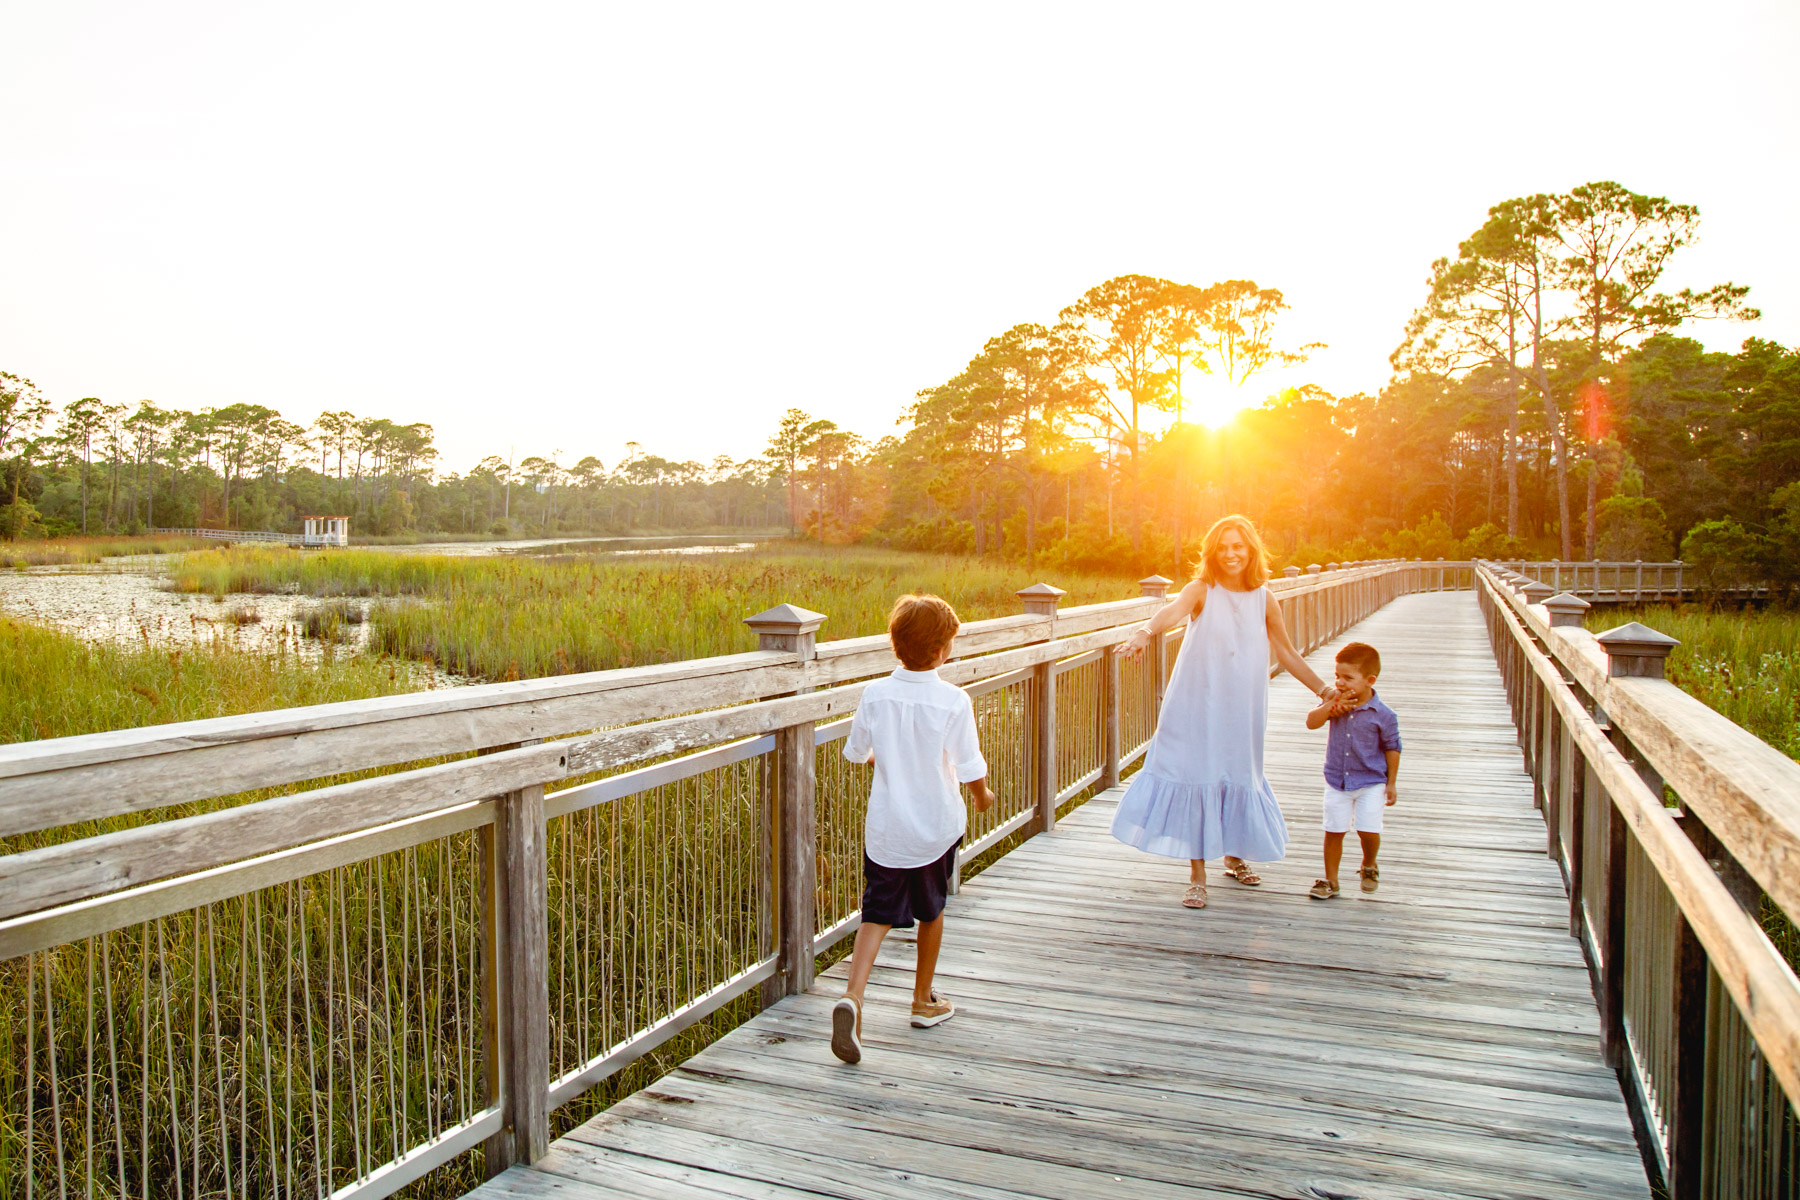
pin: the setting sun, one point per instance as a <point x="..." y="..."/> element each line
<point x="1212" y="400"/>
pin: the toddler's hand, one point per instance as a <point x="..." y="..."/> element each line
<point x="1137" y="644"/>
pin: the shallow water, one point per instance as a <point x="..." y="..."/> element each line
<point x="121" y="600"/>
<point x="105" y="604"/>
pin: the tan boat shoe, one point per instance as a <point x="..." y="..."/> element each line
<point x="846" y="1030"/>
<point x="1371" y="878"/>
<point x="1323" y="889"/>
<point x="934" y="1011"/>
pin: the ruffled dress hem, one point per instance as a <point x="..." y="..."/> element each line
<point x="1201" y="820"/>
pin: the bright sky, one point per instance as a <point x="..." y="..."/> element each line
<point x="564" y="228"/>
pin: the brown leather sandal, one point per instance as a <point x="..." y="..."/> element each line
<point x="1195" y="896"/>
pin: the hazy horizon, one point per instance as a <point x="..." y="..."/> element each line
<point x="568" y="231"/>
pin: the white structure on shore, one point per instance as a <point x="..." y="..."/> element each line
<point x="326" y="531"/>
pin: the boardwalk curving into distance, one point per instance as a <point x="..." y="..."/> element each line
<point x="1436" y="1039"/>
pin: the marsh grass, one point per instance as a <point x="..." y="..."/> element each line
<point x="514" y="617"/>
<point x="56" y="552"/>
<point x="53" y="684"/>
<point x="1743" y="664"/>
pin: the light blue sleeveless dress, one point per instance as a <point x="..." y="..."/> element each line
<point x="1201" y="792"/>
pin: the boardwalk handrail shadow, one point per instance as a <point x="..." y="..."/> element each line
<point x="1675" y="830"/>
<point x="331" y="949"/>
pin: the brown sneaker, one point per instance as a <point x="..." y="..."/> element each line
<point x="846" y="1022"/>
<point x="1371" y="878"/>
<point x="935" y="1011"/>
<point x="1323" y="889"/>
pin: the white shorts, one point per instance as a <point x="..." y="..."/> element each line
<point x="1359" y="809"/>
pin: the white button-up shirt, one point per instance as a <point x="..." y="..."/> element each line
<point x="921" y="733"/>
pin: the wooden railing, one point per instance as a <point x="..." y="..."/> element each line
<point x="1678" y="834"/>
<point x="1630" y="582"/>
<point x="328" y="950"/>
<point x="237" y="535"/>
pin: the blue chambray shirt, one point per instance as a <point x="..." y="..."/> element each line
<point x="1356" y="750"/>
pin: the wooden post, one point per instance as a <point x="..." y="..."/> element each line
<point x="515" y="977"/>
<point x="1112" y="678"/>
<point x="1632" y="651"/>
<point x="1040" y="599"/>
<point x="1156" y="588"/>
<point x="794" y="823"/>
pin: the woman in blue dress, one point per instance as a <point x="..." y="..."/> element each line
<point x="1201" y="793"/>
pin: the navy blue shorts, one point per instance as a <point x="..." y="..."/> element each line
<point x="898" y="896"/>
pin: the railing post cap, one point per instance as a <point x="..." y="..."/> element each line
<point x="1566" y="609"/>
<point x="1313" y="568"/>
<point x="1635" y="650"/>
<point x="1291" y="572"/>
<point x="1331" y="566"/>
<point x="1154" y="585"/>
<point x="1536" y="593"/>
<point x="1040" y="599"/>
<point x="786" y="619"/>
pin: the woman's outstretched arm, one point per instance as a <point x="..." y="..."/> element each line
<point x="1185" y="604"/>
<point x="1288" y="657"/>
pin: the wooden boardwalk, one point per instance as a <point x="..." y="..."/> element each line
<point x="1435" y="1039"/>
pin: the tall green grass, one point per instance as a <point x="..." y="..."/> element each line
<point x="55" y="685"/>
<point x="71" y="551"/>
<point x="1744" y="665"/>
<point x="517" y="617"/>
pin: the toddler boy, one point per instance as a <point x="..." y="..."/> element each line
<point x="920" y="733"/>
<point x="1362" y="759"/>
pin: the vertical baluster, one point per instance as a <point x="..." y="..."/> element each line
<point x="1111" y="690"/>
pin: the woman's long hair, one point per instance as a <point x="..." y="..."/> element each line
<point x="1256" y="571"/>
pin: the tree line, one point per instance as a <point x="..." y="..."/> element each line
<point x="1542" y="401"/>
<point x="95" y="467"/>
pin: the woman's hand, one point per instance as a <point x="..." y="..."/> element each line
<point x="1138" y="643"/>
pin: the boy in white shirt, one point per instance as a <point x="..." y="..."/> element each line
<point x="920" y="733"/>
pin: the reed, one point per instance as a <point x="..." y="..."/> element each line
<point x="518" y="617"/>
<point x="74" y="551"/>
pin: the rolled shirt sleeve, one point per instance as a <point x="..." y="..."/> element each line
<point x="964" y="745"/>
<point x="1390" y="731"/>
<point x="859" y="747"/>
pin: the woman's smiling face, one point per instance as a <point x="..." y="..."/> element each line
<point x="1233" y="554"/>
